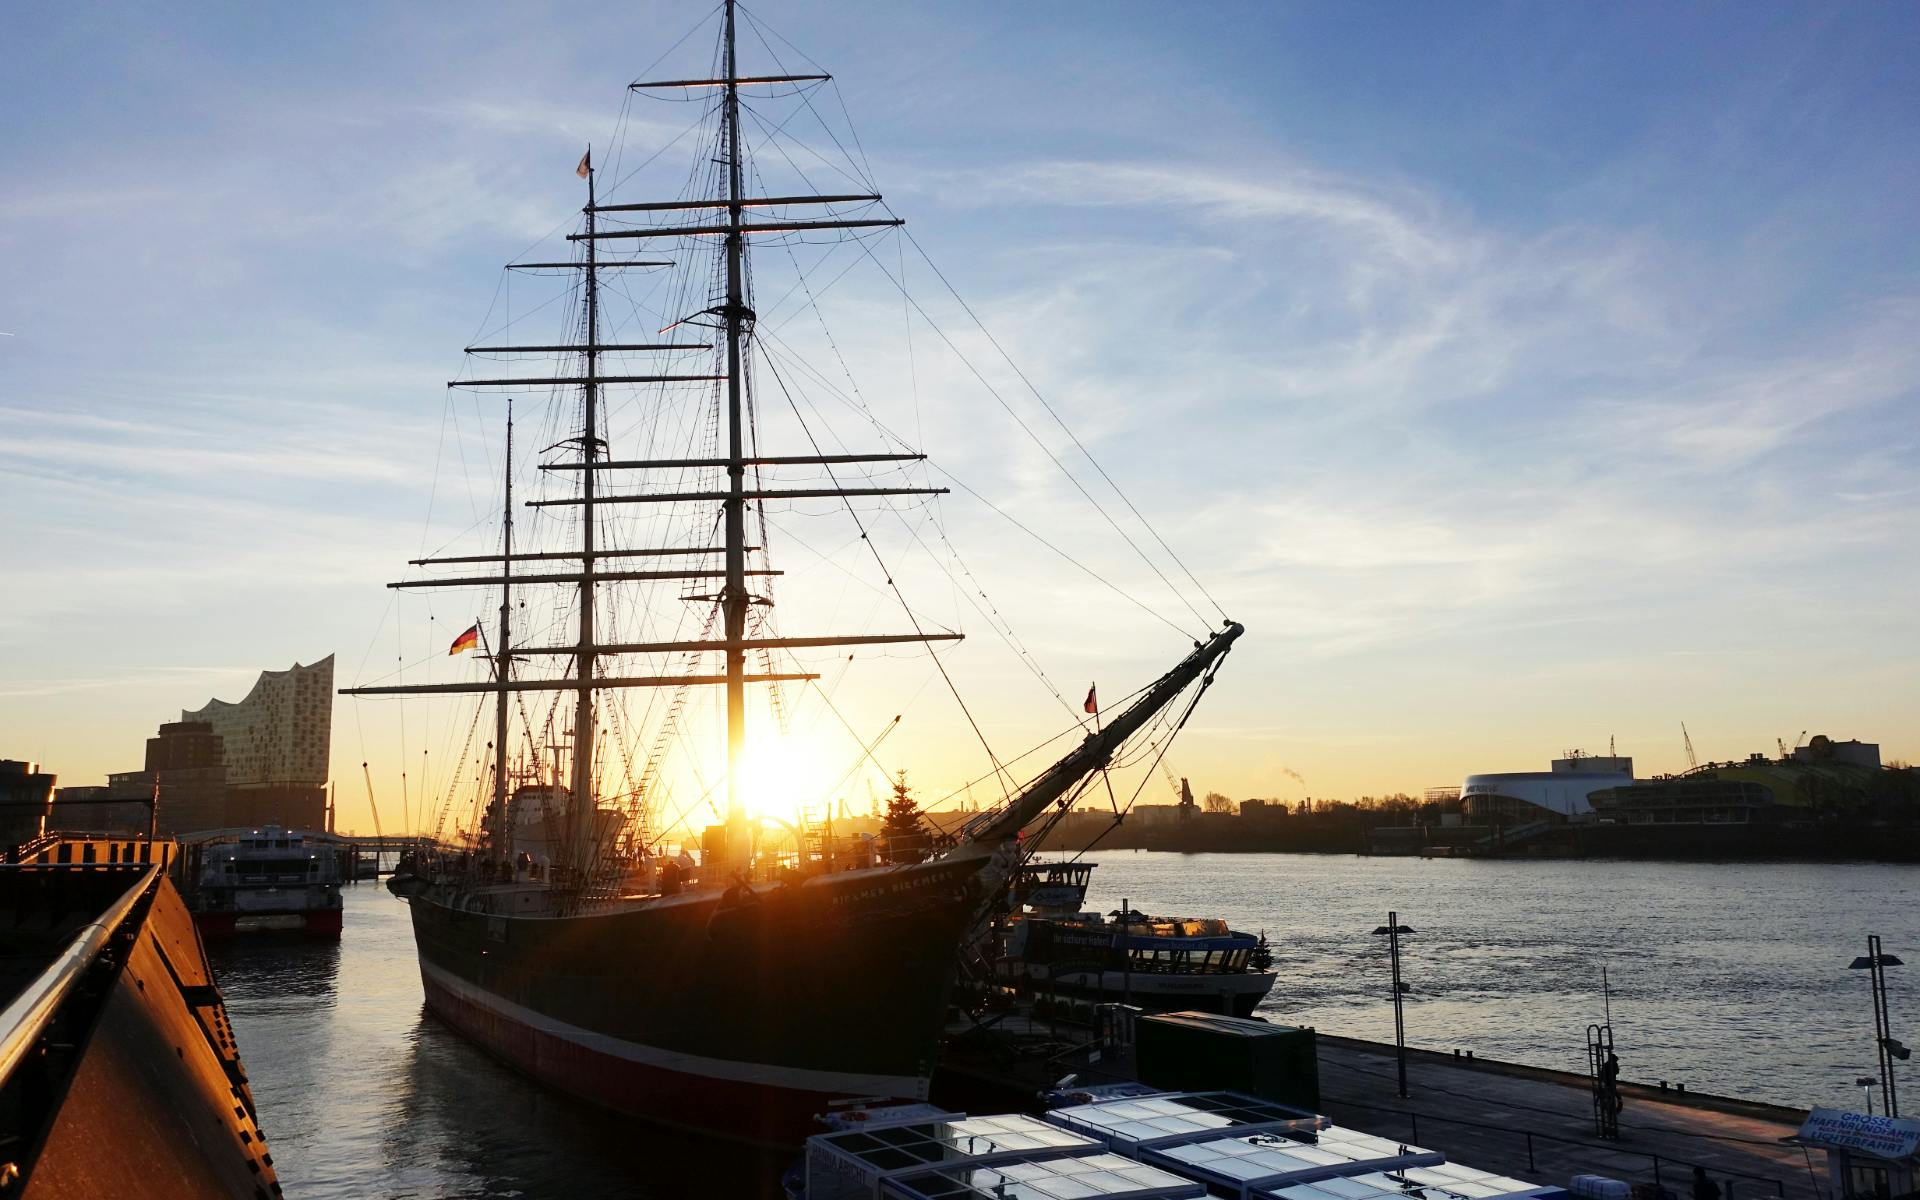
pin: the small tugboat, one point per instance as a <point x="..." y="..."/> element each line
<point x="267" y="879"/>
<point x="1161" y="964"/>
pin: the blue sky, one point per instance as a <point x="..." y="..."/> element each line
<point x="1520" y="375"/>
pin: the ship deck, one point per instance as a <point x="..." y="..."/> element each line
<point x="1517" y="1120"/>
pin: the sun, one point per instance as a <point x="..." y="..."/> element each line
<point x="781" y="776"/>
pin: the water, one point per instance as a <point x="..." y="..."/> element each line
<point x="1728" y="978"/>
<point x="361" y="1093"/>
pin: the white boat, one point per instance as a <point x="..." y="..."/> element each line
<point x="1161" y="964"/>
<point x="267" y="879"/>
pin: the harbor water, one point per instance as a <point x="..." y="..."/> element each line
<point x="1729" y="978"/>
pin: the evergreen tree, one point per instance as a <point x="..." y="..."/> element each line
<point x="903" y="833"/>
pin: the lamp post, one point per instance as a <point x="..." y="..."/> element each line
<point x="1875" y="964"/>
<point x="1393" y="929"/>
<point x="1865" y="1084"/>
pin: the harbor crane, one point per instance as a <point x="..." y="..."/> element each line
<point x="1686" y="739"/>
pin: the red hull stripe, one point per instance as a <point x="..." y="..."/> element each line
<point x="573" y="1039"/>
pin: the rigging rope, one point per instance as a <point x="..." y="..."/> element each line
<point x="874" y="550"/>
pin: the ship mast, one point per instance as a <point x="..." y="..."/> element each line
<point x="503" y="664"/>
<point x="581" y="797"/>
<point x="734" y="597"/>
<point x="736" y="318"/>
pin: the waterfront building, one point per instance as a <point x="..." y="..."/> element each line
<point x="282" y="731"/>
<point x="1822" y="778"/>
<point x="186" y="762"/>
<point x="26" y="797"/>
<point x="118" y="806"/>
<point x="1564" y="792"/>
<point x="259" y="761"/>
<point x="274" y="748"/>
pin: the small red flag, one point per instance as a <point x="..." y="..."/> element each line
<point x="1093" y="702"/>
<point x="465" y="641"/>
<point x="586" y="164"/>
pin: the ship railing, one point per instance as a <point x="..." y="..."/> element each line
<point x="1170" y="961"/>
<point x="24" y="1022"/>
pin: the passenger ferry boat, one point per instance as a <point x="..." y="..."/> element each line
<point x="1161" y="964"/>
<point x="270" y="878"/>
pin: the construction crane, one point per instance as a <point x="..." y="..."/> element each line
<point x="374" y="808"/>
<point x="1687" y="740"/>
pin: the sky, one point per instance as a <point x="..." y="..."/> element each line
<point x="1524" y="378"/>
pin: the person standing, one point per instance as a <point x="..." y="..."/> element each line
<point x="1610" y="1084"/>
<point x="1704" y="1188"/>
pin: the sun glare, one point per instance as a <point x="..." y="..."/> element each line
<point x="782" y="775"/>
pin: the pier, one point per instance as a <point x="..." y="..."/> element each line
<point x="361" y="856"/>
<point x="1527" y="1122"/>
<point x="1538" y="1124"/>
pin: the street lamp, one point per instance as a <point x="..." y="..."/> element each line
<point x="1393" y="929"/>
<point x="1865" y="1084"/>
<point x="1875" y="964"/>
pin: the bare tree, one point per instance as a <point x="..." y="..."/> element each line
<point x="1216" y="803"/>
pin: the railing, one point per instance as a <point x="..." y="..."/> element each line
<point x="97" y="850"/>
<point x="23" y="1022"/>
<point x="1413" y="1119"/>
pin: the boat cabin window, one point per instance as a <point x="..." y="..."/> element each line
<point x="1867" y="1183"/>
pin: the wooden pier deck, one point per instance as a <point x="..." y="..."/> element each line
<point x="1527" y="1122"/>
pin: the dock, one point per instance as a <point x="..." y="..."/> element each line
<point x="1527" y="1122"/>
<point x="1538" y="1125"/>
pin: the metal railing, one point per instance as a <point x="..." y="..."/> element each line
<point x="1413" y="1119"/>
<point x="24" y="1021"/>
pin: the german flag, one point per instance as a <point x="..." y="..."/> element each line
<point x="465" y="641"/>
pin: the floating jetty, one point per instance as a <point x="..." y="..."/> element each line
<point x="1520" y="1121"/>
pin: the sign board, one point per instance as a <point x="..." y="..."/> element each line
<point x="1055" y="896"/>
<point x="1894" y="1138"/>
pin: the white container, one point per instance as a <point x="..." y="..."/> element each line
<point x="1599" y="1187"/>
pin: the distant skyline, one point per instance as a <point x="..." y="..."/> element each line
<point x="1521" y="377"/>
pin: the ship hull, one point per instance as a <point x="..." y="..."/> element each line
<point x="134" y="1085"/>
<point x="223" y="924"/>
<point x="738" y="1016"/>
<point x="1234" y="995"/>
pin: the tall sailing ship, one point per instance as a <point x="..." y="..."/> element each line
<point x="740" y="995"/>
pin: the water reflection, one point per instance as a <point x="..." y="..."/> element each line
<point x="278" y="970"/>
<point x="476" y="1120"/>
<point x="363" y="1093"/>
